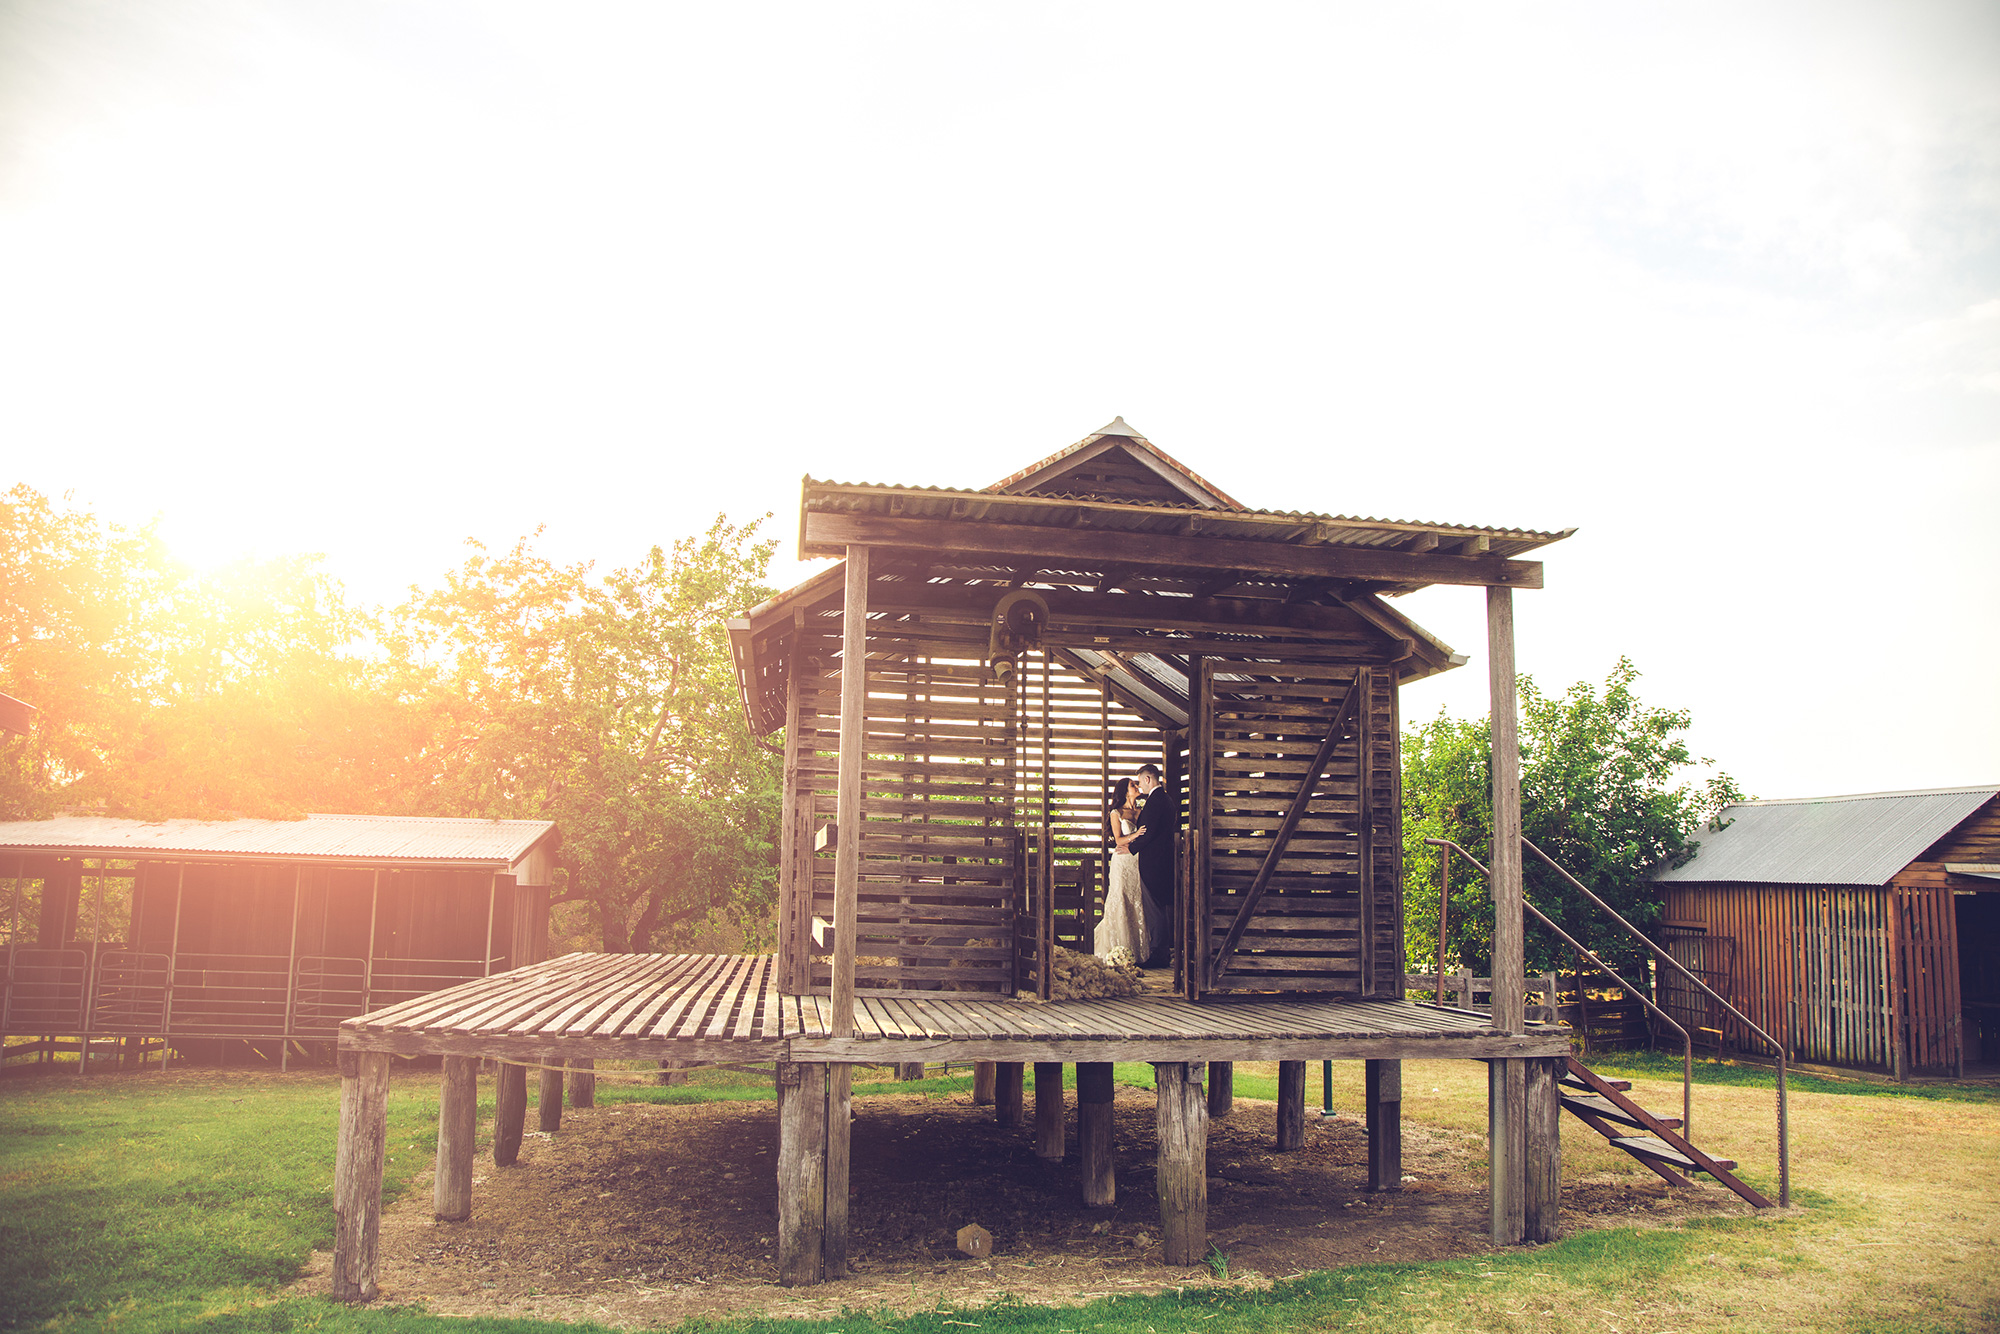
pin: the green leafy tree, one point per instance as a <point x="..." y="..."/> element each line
<point x="608" y="705"/>
<point x="73" y="600"/>
<point x="163" y="692"/>
<point x="1609" y="789"/>
<point x="520" y="687"/>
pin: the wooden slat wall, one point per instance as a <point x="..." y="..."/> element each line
<point x="940" y="853"/>
<point x="1814" y="965"/>
<point x="1384" y="769"/>
<point x="1312" y="931"/>
<point x="1928" y="975"/>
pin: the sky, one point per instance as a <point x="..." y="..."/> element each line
<point x="1716" y="284"/>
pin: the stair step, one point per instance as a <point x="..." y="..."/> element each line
<point x="1648" y="1146"/>
<point x="1571" y="1081"/>
<point x="1607" y="1110"/>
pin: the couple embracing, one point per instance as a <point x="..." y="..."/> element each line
<point x="1138" y="903"/>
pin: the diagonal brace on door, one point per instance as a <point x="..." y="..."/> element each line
<point x="1336" y="732"/>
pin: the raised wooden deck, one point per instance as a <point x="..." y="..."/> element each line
<point x="705" y="1007"/>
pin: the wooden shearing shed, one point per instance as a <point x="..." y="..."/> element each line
<point x="206" y="938"/>
<point x="1862" y="930"/>
<point x="955" y="696"/>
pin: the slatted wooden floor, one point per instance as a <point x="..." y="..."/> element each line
<point x="727" y="1007"/>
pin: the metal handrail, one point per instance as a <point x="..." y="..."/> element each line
<point x="1687" y="1040"/>
<point x="1659" y="953"/>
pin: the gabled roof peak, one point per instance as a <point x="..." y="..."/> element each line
<point x="1115" y="462"/>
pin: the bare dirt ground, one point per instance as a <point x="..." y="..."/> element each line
<point x="640" y="1215"/>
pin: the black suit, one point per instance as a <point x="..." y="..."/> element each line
<point x="1160" y="817"/>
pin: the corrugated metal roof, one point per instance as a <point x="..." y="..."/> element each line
<point x="1273" y="525"/>
<point x="1857" y="840"/>
<point x="353" y="838"/>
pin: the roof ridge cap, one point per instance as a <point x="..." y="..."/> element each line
<point x="1992" y="789"/>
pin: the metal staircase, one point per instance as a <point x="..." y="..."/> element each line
<point x="1601" y="1104"/>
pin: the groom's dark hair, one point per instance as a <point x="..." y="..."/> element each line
<point x="1152" y="769"/>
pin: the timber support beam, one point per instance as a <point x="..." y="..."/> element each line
<point x="1050" y="1130"/>
<point x="357" y="1174"/>
<point x="827" y="531"/>
<point x="1383" y="1093"/>
<point x="510" y="1112"/>
<point x="458" y="1124"/>
<point x="1291" y="1105"/>
<point x="1182" y="1167"/>
<point x="1095" y="1148"/>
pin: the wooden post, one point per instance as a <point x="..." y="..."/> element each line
<point x="1007" y="1093"/>
<point x="794" y="970"/>
<point x="1221" y="1089"/>
<point x="982" y="1083"/>
<point x="548" y="1095"/>
<point x="291" y="975"/>
<point x="90" y="969"/>
<point x="458" y="1125"/>
<point x="583" y="1083"/>
<point x="1506" y="1105"/>
<point x="1542" y="1205"/>
<point x="1182" y="1167"/>
<point x="908" y="1070"/>
<point x="357" y="1173"/>
<point x="510" y="1112"/>
<point x="801" y="1172"/>
<point x="846" y="900"/>
<point x="492" y="912"/>
<point x="1094" y="1132"/>
<point x="1049" y="1130"/>
<point x="1291" y="1105"/>
<point x="368" y="964"/>
<point x="847" y="793"/>
<point x="1505" y="1091"/>
<point x="839" y="1140"/>
<point x="1383" y="1085"/>
<point x="173" y="964"/>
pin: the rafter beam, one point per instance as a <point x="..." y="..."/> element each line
<point x="1143" y="611"/>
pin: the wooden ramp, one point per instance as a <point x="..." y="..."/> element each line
<point x="704" y="1007"/>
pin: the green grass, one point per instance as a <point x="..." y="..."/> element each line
<point x="1660" y="1065"/>
<point x="191" y="1201"/>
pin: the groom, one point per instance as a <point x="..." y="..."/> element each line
<point x="1160" y="819"/>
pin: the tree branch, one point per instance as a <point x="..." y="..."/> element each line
<point x="673" y="689"/>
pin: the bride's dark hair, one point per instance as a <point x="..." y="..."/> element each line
<point x="1119" y="790"/>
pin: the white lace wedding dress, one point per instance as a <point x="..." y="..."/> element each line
<point x="1131" y="918"/>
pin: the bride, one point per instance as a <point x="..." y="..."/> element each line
<point x="1131" y="919"/>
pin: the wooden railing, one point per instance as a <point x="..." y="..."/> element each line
<point x="1465" y="990"/>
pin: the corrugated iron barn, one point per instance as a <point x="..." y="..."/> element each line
<point x="218" y="937"/>
<point x="1863" y="930"/>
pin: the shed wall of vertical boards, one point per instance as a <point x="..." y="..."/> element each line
<point x="1835" y="971"/>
